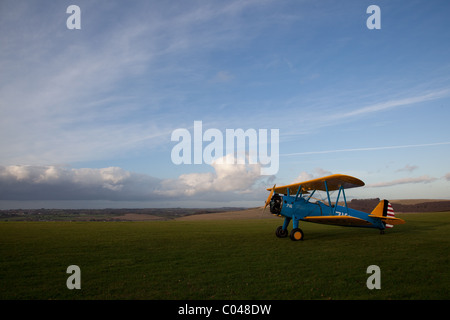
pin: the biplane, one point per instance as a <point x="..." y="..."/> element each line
<point x="296" y="202"/>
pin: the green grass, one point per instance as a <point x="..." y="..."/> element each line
<point x="239" y="259"/>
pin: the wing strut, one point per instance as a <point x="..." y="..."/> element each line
<point x="345" y="200"/>
<point x="328" y="195"/>
<point x="341" y="188"/>
<point x="311" y="195"/>
<point x="299" y="193"/>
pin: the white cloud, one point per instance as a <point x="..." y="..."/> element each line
<point x="407" y="168"/>
<point x="222" y="76"/>
<point x="315" y="111"/>
<point x="303" y="176"/>
<point x="318" y="173"/>
<point x="228" y="176"/>
<point x="112" y="178"/>
<point x="421" y="179"/>
<point x="390" y="104"/>
<point x="367" y="149"/>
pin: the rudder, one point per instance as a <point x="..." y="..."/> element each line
<point x="385" y="212"/>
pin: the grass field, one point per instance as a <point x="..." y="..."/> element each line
<point x="232" y="259"/>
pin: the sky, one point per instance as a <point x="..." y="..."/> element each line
<point x="87" y="115"/>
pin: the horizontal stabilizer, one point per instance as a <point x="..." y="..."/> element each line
<point x="389" y="220"/>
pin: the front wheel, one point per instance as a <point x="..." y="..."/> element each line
<point x="296" y="234"/>
<point x="280" y="233"/>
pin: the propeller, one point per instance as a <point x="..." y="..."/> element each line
<point x="269" y="198"/>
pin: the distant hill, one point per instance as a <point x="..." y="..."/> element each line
<point x="148" y="214"/>
<point x="144" y="214"/>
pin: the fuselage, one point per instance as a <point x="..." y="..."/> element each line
<point x="298" y="208"/>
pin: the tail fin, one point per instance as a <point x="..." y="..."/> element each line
<point x="385" y="212"/>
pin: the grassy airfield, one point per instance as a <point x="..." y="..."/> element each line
<point x="224" y="259"/>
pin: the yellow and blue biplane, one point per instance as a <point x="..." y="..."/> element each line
<point x="296" y="202"/>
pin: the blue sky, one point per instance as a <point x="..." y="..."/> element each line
<point x="87" y="115"/>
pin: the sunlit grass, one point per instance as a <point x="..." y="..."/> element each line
<point x="239" y="259"/>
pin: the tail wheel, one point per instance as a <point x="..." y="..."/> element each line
<point x="296" y="234"/>
<point x="280" y="233"/>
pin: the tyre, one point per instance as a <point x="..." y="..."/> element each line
<point x="296" y="234"/>
<point x="280" y="233"/>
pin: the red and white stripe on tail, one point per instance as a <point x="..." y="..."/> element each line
<point x="390" y="214"/>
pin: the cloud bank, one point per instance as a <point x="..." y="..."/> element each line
<point x="27" y="183"/>
<point x="62" y="183"/>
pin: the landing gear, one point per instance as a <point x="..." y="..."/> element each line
<point x="296" y="234"/>
<point x="280" y="233"/>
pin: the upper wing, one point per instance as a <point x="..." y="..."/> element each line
<point x="334" y="182"/>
